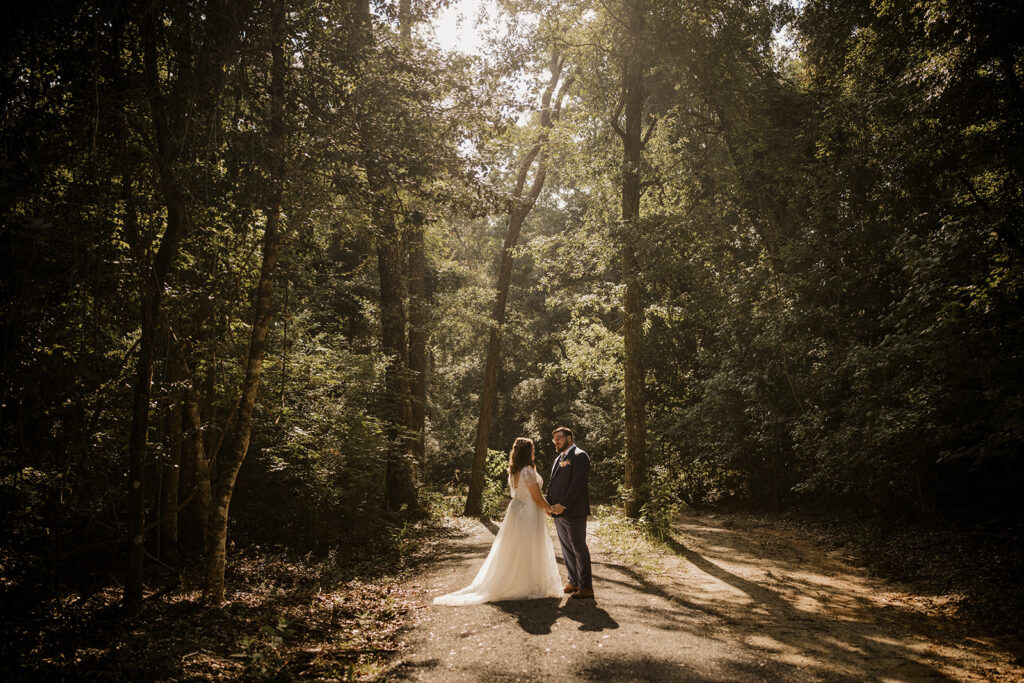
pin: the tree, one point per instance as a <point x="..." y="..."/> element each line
<point x="400" y="487"/>
<point x="227" y="473"/>
<point x="417" y="298"/>
<point x="203" y="74"/>
<point x="520" y="209"/>
<point x="633" y="140"/>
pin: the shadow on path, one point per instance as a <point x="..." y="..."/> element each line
<point x="806" y="625"/>
<point x="537" y="616"/>
<point x="533" y="616"/>
<point x="635" y="580"/>
<point x="589" y="615"/>
<point x="724" y="604"/>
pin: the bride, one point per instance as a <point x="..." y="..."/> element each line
<point x="521" y="563"/>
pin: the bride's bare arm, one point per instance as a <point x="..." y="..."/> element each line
<point x="538" y="498"/>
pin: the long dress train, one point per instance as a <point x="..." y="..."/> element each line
<point x="521" y="563"/>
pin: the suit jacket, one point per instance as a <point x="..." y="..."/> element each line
<point x="569" y="482"/>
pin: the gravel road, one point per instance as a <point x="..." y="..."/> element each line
<point x="731" y="599"/>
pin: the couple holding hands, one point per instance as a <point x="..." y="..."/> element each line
<point x="521" y="564"/>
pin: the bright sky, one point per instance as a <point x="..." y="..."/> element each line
<point x="460" y="26"/>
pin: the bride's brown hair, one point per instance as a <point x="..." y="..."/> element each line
<point x="520" y="456"/>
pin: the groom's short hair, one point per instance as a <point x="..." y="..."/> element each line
<point x="564" y="430"/>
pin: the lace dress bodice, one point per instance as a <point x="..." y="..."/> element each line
<point x="519" y="485"/>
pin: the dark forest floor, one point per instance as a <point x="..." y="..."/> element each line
<point x="730" y="596"/>
<point x="333" y="616"/>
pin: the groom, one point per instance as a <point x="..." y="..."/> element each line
<point x="570" y="505"/>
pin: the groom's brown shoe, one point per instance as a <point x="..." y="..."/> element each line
<point x="569" y="588"/>
<point x="583" y="593"/>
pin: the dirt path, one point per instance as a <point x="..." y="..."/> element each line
<point x="735" y="599"/>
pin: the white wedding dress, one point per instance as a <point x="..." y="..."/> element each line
<point x="521" y="564"/>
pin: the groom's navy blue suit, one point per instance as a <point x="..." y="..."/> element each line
<point x="570" y="476"/>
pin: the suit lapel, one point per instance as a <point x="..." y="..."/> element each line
<point x="560" y="458"/>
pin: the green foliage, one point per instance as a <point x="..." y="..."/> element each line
<point x="831" y="249"/>
<point x="263" y="652"/>
<point x="443" y="504"/>
<point x="626" y="539"/>
<point x="830" y="269"/>
<point x="27" y="495"/>
<point x="496" y="493"/>
<point x="663" y="505"/>
<point x="703" y="482"/>
<point x="321" y="449"/>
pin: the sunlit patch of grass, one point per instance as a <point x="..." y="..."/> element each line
<point x="626" y="539"/>
<point x="444" y="504"/>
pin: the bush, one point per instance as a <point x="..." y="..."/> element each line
<point x="663" y="505"/>
<point x="702" y="482"/>
<point x="496" y="493"/>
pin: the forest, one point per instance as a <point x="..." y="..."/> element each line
<point x="289" y="276"/>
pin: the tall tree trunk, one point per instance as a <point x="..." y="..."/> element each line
<point x="405" y="19"/>
<point x="171" y="479"/>
<point x="521" y="208"/>
<point x="194" y="451"/>
<point x="203" y="76"/>
<point x="217" y="521"/>
<point x="192" y="517"/>
<point x="418" y="337"/>
<point x="632" y="318"/>
<point x="417" y="300"/>
<point x="138" y="438"/>
<point x="155" y="277"/>
<point x="137" y="447"/>
<point x="400" y="490"/>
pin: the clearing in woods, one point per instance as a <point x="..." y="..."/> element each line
<point x="731" y="598"/>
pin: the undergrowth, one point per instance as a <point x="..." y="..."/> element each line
<point x="336" y="615"/>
